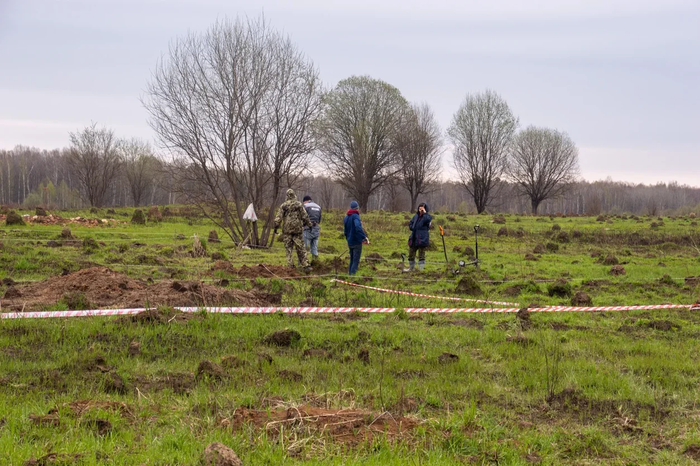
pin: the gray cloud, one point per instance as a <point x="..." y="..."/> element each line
<point x="619" y="75"/>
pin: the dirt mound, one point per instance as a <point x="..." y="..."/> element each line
<point x="347" y="426"/>
<point x="284" y="337"/>
<point x="375" y="256"/>
<point x="218" y="454"/>
<point x="104" y="288"/>
<point x="581" y="298"/>
<point x="264" y="271"/>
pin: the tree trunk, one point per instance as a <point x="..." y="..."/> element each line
<point x="414" y="200"/>
<point x="535" y="203"/>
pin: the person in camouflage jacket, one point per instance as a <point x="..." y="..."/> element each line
<point x="295" y="218"/>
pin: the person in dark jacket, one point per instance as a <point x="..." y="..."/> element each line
<point x="420" y="226"/>
<point x="312" y="233"/>
<point x="355" y="235"/>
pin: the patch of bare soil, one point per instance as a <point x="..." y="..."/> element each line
<point x="693" y="451"/>
<point x="104" y="288"/>
<point x="664" y="325"/>
<point x="347" y="426"/>
<point x="317" y="353"/>
<point x="264" y="271"/>
<point x="573" y="401"/>
<point x="179" y="383"/>
<point x="469" y="323"/>
<point x="54" y="459"/>
<point x="447" y="358"/>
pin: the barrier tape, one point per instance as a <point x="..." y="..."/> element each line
<point x="409" y="293"/>
<point x="338" y="310"/>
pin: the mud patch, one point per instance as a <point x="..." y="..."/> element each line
<point x="350" y="427"/>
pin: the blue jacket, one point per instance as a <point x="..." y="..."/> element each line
<point x="420" y="230"/>
<point x="354" y="232"/>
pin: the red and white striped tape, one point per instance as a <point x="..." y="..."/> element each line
<point x="339" y="310"/>
<point x="409" y="293"/>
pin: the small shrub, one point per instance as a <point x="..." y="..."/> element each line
<point x="40" y="212"/>
<point x="499" y="220"/>
<point x="503" y="231"/>
<point x="539" y="249"/>
<point x="556" y="227"/>
<point x="667" y="280"/>
<point x="577" y="234"/>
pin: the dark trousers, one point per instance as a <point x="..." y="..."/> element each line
<point x="412" y="253"/>
<point x="355" y="254"/>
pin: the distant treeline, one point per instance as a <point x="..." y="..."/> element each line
<point x="31" y="177"/>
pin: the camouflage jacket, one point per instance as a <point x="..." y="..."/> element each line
<point x="294" y="216"/>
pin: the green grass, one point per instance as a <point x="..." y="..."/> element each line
<point x="603" y="388"/>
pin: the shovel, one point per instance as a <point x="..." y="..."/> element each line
<point x="444" y="249"/>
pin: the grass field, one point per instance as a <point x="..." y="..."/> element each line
<point x="157" y="388"/>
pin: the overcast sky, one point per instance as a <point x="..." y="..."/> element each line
<point x="622" y="77"/>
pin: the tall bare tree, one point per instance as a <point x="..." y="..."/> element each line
<point x="140" y="166"/>
<point x="94" y="158"/>
<point x="481" y="131"/>
<point x="235" y="104"/>
<point x="356" y="134"/>
<point x="419" y="144"/>
<point x="543" y="163"/>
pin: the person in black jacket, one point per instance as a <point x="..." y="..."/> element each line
<point x="420" y="226"/>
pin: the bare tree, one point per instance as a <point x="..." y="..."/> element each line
<point x="419" y="144"/>
<point x="356" y="134"/>
<point x="327" y="192"/>
<point x="481" y="131"/>
<point x="140" y="167"/>
<point x="95" y="160"/>
<point x="543" y="163"/>
<point x="235" y="104"/>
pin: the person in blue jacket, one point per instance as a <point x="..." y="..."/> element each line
<point x="420" y="226"/>
<point x="355" y="235"/>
